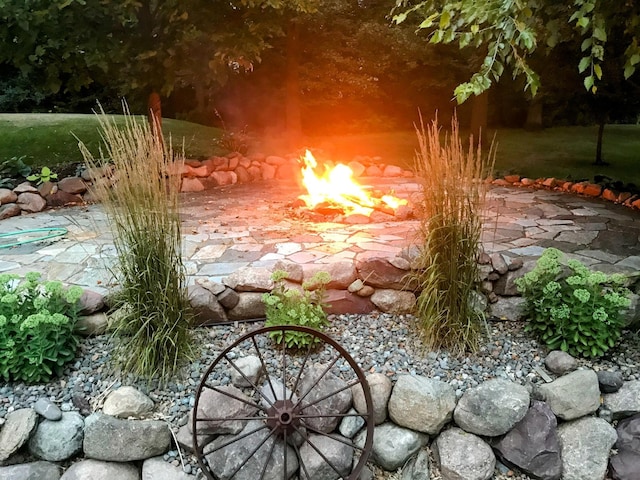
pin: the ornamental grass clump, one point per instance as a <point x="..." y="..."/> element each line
<point x="572" y="308"/>
<point x="450" y="229"/>
<point x="37" y="327"/>
<point x="151" y="331"/>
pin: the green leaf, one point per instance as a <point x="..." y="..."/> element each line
<point x="584" y="63"/>
<point x="401" y="17"/>
<point x="583" y="22"/>
<point x="597" y="69"/>
<point x="46" y="171"/>
<point x="586" y="44"/>
<point x="588" y="83"/>
<point x="600" y="34"/>
<point x="445" y="19"/>
<point x="628" y="71"/>
<point x="634" y="59"/>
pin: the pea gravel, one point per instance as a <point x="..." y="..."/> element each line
<point x="381" y="343"/>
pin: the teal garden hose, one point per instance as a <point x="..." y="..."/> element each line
<point x="49" y="233"/>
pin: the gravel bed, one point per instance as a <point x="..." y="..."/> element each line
<point x="378" y="342"/>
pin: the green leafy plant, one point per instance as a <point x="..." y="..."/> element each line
<point x="450" y="228"/>
<point x="571" y="307"/>
<point x="289" y="306"/>
<point x="45" y="175"/>
<point x="152" y="332"/>
<point x="37" y="323"/>
<point x="11" y="170"/>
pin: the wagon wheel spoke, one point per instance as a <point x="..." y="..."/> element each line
<point x="285" y="411"/>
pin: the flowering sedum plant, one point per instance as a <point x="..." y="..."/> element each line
<point x="573" y="308"/>
<point x="37" y="323"/>
<point x="286" y="306"/>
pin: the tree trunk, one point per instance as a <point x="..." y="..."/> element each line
<point x="599" y="159"/>
<point x="154" y="114"/>
<point x="479" y="114"/>
<point x="293" y="123"/>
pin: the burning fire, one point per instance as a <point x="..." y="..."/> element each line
<point x="336" y="187"/>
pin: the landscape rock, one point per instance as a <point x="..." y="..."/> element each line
<point x="380" y="387"/>
<point x="157" y="469"/>
<point x="228" y="298"/>
<point x="60" y="199"/>
<point x="609" y="382"/>
<point x="379" y="273"/>
<point x="492" y="408"/>
<point x="573" y="395"/>
<point x="532" y="445"/>
<point x="499" y="264"/>
<point x="15" y="432"/>
<point x="342" y="274"/>
<point x="393" y="445"/>
<point x="98" y="470"/>
<point x="421" y="403"/>
<point x="213" y="404"/>
<point x="314" y="386"/>
<point x="113" y="439"/>
<point x="342" y="301"/>
<point x="560" y="362"/>
<point x="190" y="185"/>
<point x="9" y="210"/>
<point x="508" y="308"/>
<point x="7" y="196"/>
<point x="506" y="284"/>
<point x="626" y="401"/>
<point x="351" y="424"/>
<point x="338" y="454"/>
<point x="90" y="302"/>
<point x="25" y="187"/>
<point x="251" y="368"/>
<point x="205" y="306"/>
<point x="396" y="302"/>
<point x="463" y="456"/>
<point x="127" y="402"/>
<point x="294" y="271"/>
<point x="73" y="185"/>
<point x="184" y="437"/>
<point x="625" y="464"/>
<point x="59" y="440"/>
<point x="417" y="468"/>
<point x="250" y="305"/>
<point x="585" y="445"/>
<point x="92" y="325"/>
<point x="47" y="409"/>
<point x="39" y="470"/>
<point x="31" y="202"/>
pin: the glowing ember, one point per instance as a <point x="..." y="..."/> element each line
<point x="336" y="187"/>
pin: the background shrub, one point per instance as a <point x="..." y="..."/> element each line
<point x="37" y="322"/>
<point x="571" y="307"/>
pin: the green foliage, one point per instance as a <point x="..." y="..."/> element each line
<point x="289" y="306"/>
<point x="45" y="175"/>
<point x="152" y="333"/>
<point x="37" y="323"/>
<point x="450" y="229"/>
<point x="510" y="32"/>
<point x="573" y="308"/>
<point x="11" y="170"/>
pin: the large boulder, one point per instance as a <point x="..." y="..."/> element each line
<point x="250" y="279"/>
<point x="573" y="395"/>
<point x="492" y="408"/>
<point x="56" y="441"/>
<point x="421" y="403"/>
<point x="127" y="402"/>
<point x="463" y="456"/>
<point x="250" y="305"/>
<point x="249" y="371"/>
<point x="98" y="470"/>
<point x="222" y="405"/>
<point x="337" y="454"/>
<point x="314" y="386"/>
<point x="396" y="302"/>
<point x="625" y="465"/>
<point x="40" y="470"/>
<point x="380" y="387"/>
<point x="417" y="468"/>
<point x="380" y="273"/>
<point x="586" y="444"/>
<point x="532" y="445"/>
<point x="205" y="305"/>
<point x="15" y="432"/>
<point x="157" y="469"/>
<point x="393" y="445"/>
<point x="626" y="401"/>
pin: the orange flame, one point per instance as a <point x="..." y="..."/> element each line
<point x="336" y="186"/>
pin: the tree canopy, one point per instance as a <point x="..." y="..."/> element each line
<point x="510" y="31"/>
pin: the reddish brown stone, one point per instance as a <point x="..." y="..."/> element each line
<point x="342" y="301"/>
<point x="566" y="186"/>
<point x="610" y="195"/>
<point x="501" y="182"/>
<point x="579" y="187"/>
<point x="592" y="190"/>
<point x="527" y="182"/>
<point x="636" y="203"/>
<point x="623" y="197"/>
<point x="73" y="185"/>
<point x="512" y="178"/>
<point x="60" y="198"/>
<point x="243" y="175"/>
<point x="224" y="178"/>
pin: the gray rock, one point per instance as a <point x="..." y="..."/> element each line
<point x="157" y="469"/>
<point x="113" y="439"/>
<point x="25" y="187"/>
<point x="625" y="465"/>
<point x="396" y="302"/>
<point x="94" y="173"/>
<point x="626" y="401"/>
<point x="573" y="395"/>
<point x="90" y="302"/>
<point x="10" y="210"/>
<point x="417" y="468"/>
<point x="127" y="402"/>
<point x="498" y="263"/>
<point x="250" y="305"/>
<point x="294" y="271"/>
<point x="532" y="445"/>
<point x="337" y="455"/>
<point x="31" y="202"/>
<point x="184" y="437"/>
<point x="379" y="273"/>
<point x="585" y="444"/>
<point x="228" y="298"/>
<point x="380" y="387"/>
<point x="15" y="432"/>
<point x="506" y="285"/>
<point x="73" y="185"/>
<point x="463" y="456"/>
<point x="393" y="445"/>
<point x="251" y="368"/>
<point x="225" y="460"/>
<point x="314" y="386"/>
<point x="421" y="404"/>
<point x="250" y="279"/>
<point x="609" y="382"/>
<point x="205" y="306"/>
<point x="92" y="325"/>
<point x="98" y="470"/>
<point x="31" y="471"/>
<point x="630" y="316"/>
<point x="214" y="287"/>
<point x="267" y="396"/>
<point x="560" y="362"/>
<point x="342" y="274"/>
<point x="351" y="424"/>
<point x="59" y="440"/>
<point x="216" y="405"/>
<point x="47" y="409"/>
<point x="492" y="408"/>
<point x="508" y="308"/>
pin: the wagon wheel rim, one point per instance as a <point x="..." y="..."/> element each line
<point x="279" y="418"/>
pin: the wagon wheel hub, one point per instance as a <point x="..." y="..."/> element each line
<point x="283" y="416"/>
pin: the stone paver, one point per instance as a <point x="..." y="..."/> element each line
<point x="228" y="228"/>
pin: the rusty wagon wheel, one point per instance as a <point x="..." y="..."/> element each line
<point x="262" y="412"/>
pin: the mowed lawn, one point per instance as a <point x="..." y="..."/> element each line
<point x="560" y="152"/>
